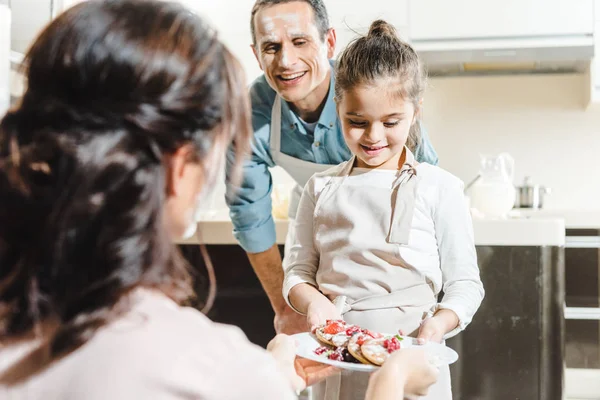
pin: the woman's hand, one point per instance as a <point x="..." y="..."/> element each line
<point x="283" y="349"/>
<point x="320" y="310"/>
<point x="407" y="372"/>
<point x="300" y="372"/>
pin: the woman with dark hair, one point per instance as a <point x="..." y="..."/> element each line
<point x="129" y="108"/>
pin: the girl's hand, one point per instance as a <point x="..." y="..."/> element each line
<point x="434" y="328"/>
<point x="320" y="310"/>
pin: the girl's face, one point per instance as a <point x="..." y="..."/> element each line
<point x="375" y="123"/>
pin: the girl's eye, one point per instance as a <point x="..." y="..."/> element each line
<point x="300" y="43"/>
<point x="390" y="124"/>
<point x="357" y="123"/>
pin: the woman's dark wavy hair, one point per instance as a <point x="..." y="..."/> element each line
<point x="114" y="86"/>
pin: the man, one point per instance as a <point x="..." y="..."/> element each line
<point x="295" y="126"/>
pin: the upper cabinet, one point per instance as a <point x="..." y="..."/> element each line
<point x="353" y="18"/>
<point x="477" y="19"/>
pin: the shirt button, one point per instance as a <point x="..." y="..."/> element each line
<point x="317" y="144"/>
<point x="331" y="125"/>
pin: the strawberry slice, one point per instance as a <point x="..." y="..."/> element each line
<point x="334" y="327"/>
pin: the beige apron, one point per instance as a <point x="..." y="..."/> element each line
<point x="299" y="170"/>
<point x="388" y="229"/>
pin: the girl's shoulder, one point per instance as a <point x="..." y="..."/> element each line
<point x="319" y="180"/>
<point x="437" y="177"/>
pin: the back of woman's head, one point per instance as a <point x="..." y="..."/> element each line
<point x="114" y="87"/>
<point x="382" y="55"/>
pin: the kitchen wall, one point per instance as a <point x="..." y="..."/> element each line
<point x="541" y="120"/>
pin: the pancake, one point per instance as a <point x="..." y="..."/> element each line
<point x="354" y="348"/>
<point x="374" y="351"/>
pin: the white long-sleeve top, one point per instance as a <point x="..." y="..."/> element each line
<point x="344" y="256"/>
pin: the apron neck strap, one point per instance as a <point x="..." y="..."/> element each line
<point x="275" y="139"/>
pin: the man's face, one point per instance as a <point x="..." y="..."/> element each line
<point x="290" y="51"/>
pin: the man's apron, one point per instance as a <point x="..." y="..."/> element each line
<point x="299" y="170"/>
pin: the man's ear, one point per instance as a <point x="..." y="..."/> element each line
<point x="330" y="39"/>
<point x="255" y="51"/>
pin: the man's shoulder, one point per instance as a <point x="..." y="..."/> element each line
<point x="261" y="93"/>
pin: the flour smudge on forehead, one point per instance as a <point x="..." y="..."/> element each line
<point x="291" y="24"/>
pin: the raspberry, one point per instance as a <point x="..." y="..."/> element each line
<point x="352" y="330"/>
<point x="337" y="355"/>
<point x="321" y="350"/>
<point x="392" y="344"/>
<point x="362" y="338"/>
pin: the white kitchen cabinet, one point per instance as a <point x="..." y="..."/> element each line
<point x="29" y="17"/>
<point x="476" y="19"/>
<point x="593" y="76"/>
<point x="351" y="18"/>
<point x="232" y="20"/>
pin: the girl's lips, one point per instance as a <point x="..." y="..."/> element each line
<point x="372" y="150"/>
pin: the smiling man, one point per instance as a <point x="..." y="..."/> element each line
<point x="295" y="127"/>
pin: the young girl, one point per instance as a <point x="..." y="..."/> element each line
<point x="378" y="237"/>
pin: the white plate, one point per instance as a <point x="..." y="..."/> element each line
<point x="308" y="343"/>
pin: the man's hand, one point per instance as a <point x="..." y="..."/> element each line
<point x="290" y="322"/>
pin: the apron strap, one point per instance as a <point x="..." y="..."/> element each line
<point x="403" y="198"/>
<point x="275" y="139"/>
<point x="415" y="297"/>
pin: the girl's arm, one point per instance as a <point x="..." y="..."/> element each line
<point x="301" y="265"/>
<point x="463" y="290"/>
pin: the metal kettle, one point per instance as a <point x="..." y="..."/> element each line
<point x="529" y="195"/>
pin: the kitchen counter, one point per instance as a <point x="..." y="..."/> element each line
<point x="574" y="219"/>
<point x="544" y="230"/>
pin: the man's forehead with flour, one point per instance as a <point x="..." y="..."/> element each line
<point x="291" y="47"/>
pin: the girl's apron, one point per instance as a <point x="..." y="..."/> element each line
<point x="388" y="228"/>
<point x="299" y="170"/>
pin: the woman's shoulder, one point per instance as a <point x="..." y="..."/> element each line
<point x="180" y="348"/>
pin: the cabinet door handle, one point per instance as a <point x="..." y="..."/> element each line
<point x="582" y="313"/>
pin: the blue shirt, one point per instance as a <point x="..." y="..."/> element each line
<point x="250" y="205"/>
